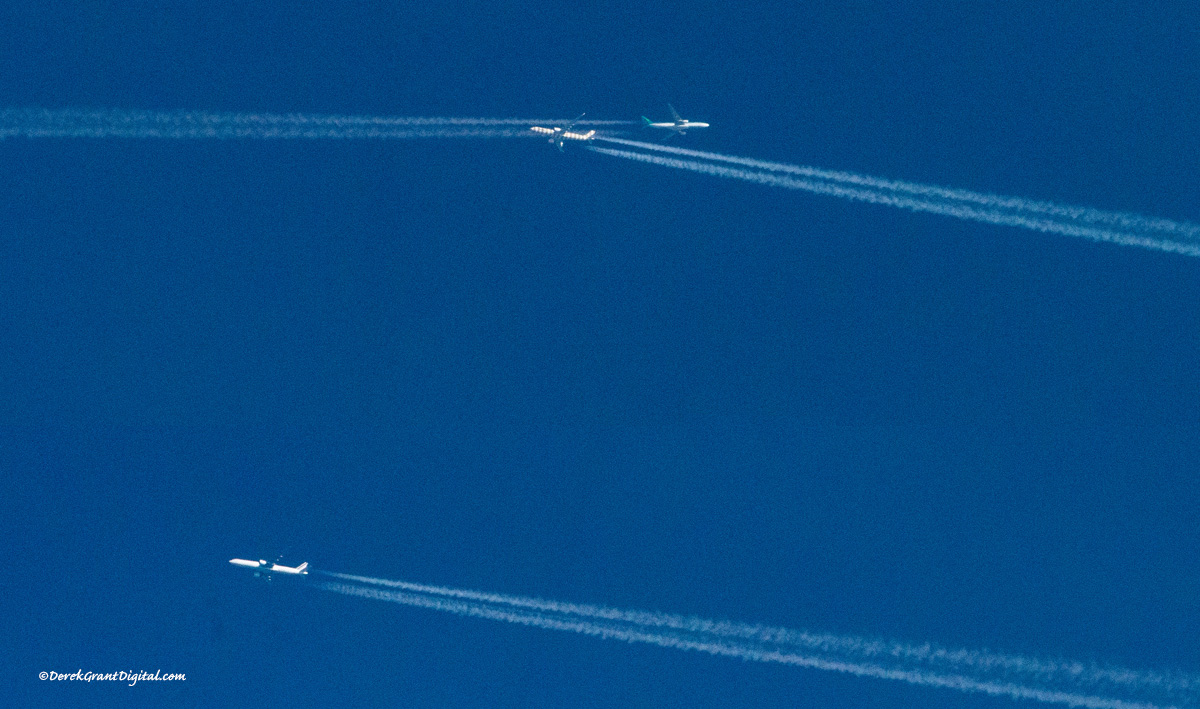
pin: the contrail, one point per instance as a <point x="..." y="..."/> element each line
<point x="1117" y="227"/>
<point x="1070" y="683"/>
<point x="74" y="123"/>
<point x="1083" y="213"/>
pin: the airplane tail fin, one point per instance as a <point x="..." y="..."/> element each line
<point x="303" y="567"/>
<point x="646" y="121"/>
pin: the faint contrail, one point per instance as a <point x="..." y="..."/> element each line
<point x="1117" y="227"/>
<point x="1071" y="683"/>
<point x="74" y="123"/>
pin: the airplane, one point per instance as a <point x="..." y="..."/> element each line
<point x="560" y="134"/>
<point x="679" y="126"/>
<point x="266" y="569"/>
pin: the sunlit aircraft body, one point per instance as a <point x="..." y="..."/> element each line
<point x="560" y="134"/>
<point x="677" y="126"/>
<point x="266" y="569"/>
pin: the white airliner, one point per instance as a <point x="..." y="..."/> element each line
<point x="264" y="568"/>
<point x="678" y="126"/>
<point x="560" y="134"/>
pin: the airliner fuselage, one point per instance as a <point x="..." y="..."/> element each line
<point x="560" y="134"/>
<point x="678" y="126"/>
<point x="262" y="567"/>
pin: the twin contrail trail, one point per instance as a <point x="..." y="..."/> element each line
<point x="72" y="123"/>
<point x="1074" y="684"/>
<point x="1117" y="227"/>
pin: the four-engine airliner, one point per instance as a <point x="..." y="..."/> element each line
<point x="560" y="134"/>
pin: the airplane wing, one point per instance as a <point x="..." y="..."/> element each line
<point x="674" y="114"/>
<point x="571" y="125"/>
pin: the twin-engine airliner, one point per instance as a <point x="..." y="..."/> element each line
<point x="560" y="134"/>
<point x="265" y="569"/>
<point x="678" y="126"/>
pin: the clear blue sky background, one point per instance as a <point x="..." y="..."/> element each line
<point x="488" y="365"/>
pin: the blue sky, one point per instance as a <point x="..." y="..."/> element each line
<point x="488" y="365"/>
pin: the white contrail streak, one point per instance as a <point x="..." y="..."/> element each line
<point x="1117" y="227"/>
<point x="72" y="123"/>
<point x="1123" y="219"/>
<point x="1073" y="684"/>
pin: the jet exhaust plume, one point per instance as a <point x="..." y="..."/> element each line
<point x="74" y="123"/>
<point x="1057" y="682"/>
<point x="1117" y="227"/>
